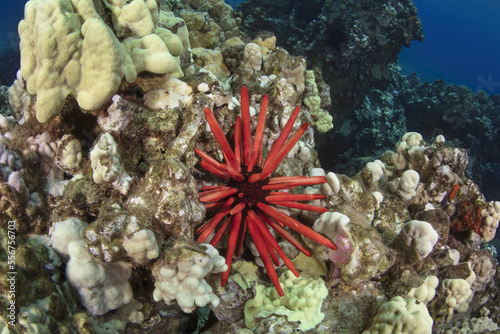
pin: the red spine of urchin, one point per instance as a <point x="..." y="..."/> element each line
<point x="248" y="199"/>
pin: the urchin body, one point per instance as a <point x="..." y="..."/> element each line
<point x="247" y="200"/>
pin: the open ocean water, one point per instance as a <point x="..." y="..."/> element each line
<point x="461" y="46"/>
<point x="11" y="12"/>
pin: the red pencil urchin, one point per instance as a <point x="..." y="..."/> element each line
<point x="249" y="197"/>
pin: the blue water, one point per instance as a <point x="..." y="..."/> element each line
<point x="234" y="3"/>
<point x="461" y="45"/>
<point x="10" y="14"/>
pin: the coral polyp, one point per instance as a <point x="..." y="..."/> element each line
<point x="250" y="195"/>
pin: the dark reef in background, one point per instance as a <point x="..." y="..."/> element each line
<point x="466" y="119"/>
<point x="356" y="44"/>
<point x="471" y="120"/>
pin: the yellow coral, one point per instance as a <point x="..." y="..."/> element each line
<point x="66" y="48"/>
<point x="401" y="316"/>
<point x="322" y="120"/>
<point x="302" y="301"/>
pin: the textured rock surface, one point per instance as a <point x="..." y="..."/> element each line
<point x="136" y="258"/>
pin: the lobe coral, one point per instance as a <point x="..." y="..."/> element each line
<point x="248" y="199"/>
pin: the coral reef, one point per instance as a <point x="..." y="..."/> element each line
<point x="354" y="43"/>
<point x="302" y="303"/>
<point x="469" y="119"/>
<point x="180" y="276"/>
<point x="68" y="48"/>
<point x="401" y="316"/>
<point x="251" y="186"/>
<point x="102" y="210"/>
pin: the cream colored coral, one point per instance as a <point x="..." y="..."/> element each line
<point x="181" y="277"/>
<point x="104" y="63"/>
<point x="377" y="168"/>
<point x="141" y="246"/>
<point x="400" y="157"/>
<point x="426" y="292"/>
<point x="334" y="226"/>
<point x="491" y="215"/>
<point x="266" y="46"/>
<point x="252" y="56"/>
<point x="102" y="286"/>
<point x="136" y="18"/>
<point x="69" y="153"/>
<point x="453" y="255"/>
<point x="304" y="152"/>
<point x="484" y="269"/>
<point x="65" y="232"/>
<point x="412" y="138"/>
<point x="105" y="171"/>
<point x="458" y="294"/>
<point x="106" y="165"/>
<point x="317" y="172"/>
<point x="301" y="151"/>
<point x="66" y="48"/>
<point x="419" y="237"/>
<point x="332" y="185"/>
<point x="172" y="23"/>
<point x="440" y="140"/>
<point x="379" y="197"/>
<point x="139" y="20"/>
<point x="401" y="316"/>
<point x="302" y="302"/>
<point x="62" y="56"/>
<point x="150" y="53"/>
<point x="408" y="184"/>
